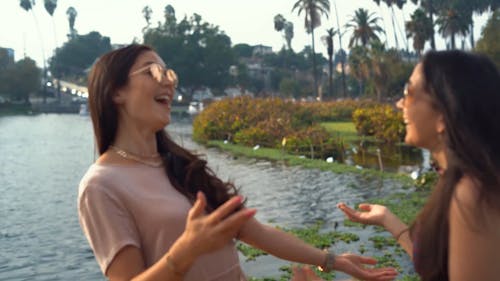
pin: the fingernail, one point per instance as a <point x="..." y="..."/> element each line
<point x="250" y="212"/>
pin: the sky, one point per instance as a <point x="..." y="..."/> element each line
<point x="248" y="22"/>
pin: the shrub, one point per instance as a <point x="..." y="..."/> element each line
<point x="382" y="121"/>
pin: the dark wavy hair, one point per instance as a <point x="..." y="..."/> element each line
<point x="187" y="172"/>
<point x="465" y="89"/>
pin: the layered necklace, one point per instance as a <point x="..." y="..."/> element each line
<point x="153" y="160"/>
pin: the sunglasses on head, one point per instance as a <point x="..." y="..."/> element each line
<point x="159" y="73"/>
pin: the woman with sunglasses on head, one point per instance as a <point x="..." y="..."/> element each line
<point x="150" y="209"/>
<point x="451" y="106"/>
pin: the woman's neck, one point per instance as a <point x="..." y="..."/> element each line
<point x="439" y="156"/>
<point x="135" y="140"/>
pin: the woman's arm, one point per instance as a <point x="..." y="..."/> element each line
<point x="474" y="239"/>
<point x="380" y="215"/>
<point x="288" y="247"/>
<point x="203" y="234"/>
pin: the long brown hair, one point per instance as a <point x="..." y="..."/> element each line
<point x="464" y="88"/>
<point x="187" y="172"/>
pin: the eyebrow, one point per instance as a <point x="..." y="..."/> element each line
<point x="152" y="62"/>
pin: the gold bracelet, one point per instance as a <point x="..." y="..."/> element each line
<point x="401" y="233"/>
<point x="171" y="265"/>
<point x="328" y="263"/>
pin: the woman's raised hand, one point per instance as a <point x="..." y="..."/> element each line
<point x="368" y="214"/>
<point x="205" y="233"/>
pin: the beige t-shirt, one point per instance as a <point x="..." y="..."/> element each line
<point x="138" y="206"/>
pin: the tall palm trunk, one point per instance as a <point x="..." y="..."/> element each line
<point x="330" y="72"/>
<point x="433" y="41"/>
<point x="472" y="44"/>
<point x="394" y="28"/>
<point x="342" y="62"/>
<point x="314" y="67"/>
<point x="44" y="86"/>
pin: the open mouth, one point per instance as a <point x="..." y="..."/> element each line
<point x="163" y="100"/>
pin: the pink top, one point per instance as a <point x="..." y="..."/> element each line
<point x="138" y="206"/>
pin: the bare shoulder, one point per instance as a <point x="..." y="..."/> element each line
<point x="467" y="206"/>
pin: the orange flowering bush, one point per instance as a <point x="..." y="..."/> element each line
<point x="383" y="122"/>
<point x="265" y="122"/>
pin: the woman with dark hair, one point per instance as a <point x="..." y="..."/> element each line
<point x="451" y="106"/>
<point x="150" y="209"/>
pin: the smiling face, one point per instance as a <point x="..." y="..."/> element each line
<point x="424" y="123"/>
<point x="144" y="100"/>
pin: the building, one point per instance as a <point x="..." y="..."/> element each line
<point x="10" y="55"/>
<point x="259" y="50"/>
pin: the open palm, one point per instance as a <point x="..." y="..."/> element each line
<point x="368" y="214"/>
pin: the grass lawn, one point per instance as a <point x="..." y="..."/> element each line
<point x="345" y="130"/>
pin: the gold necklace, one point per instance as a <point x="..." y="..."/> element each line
<point x="138" y="158"/>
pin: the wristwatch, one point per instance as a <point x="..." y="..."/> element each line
<point x="328" y="263"/>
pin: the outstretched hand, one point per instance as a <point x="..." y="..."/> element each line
<point x="369" y="214"/>
<point x="350" y="264"/>
<point x="354" y="266"/>
<point x="205" y="233"/>
<point x="304" y="273"/>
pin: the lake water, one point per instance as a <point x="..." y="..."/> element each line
<point x="43" y="157"/>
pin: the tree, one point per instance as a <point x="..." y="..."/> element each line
<point x="453" y="20"/>
<point x="72" y="59"/>
<point x="328" y="40"/>
<point x="50" y="7"/>
<point x="364" y="27"/>
<point x="343" y="61"/>
<point x="390" y="4"/>
<point x="420" y="29"/>
<point x="146" y="13"/>
<point x="21" y="79"/>
<point x="199" y="52"/>
<point x="27" y="5"/>
<point x="313" y="10"/>
<point x="431" y="7"/>
<point x="243" y="50"/>
<point x="489" y="43"/>
<point x="170" y="19"/>
<point x="71" y="13"/>
<point x="359" y="64"/>
<point x="281" y="24"/>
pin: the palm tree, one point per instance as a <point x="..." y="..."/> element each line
<point x="379" y="68"/>
<point x="390" y="4"/>
<point x="50" y="7"/>
<point x="431" y="7"/>
<point x="359" y="65"/>
<point x="328" y="41"/>
<point x="279" y="22"/>
<point x="420" y="29"/>
<point x="289" y="34"/>
<point x="146" y="13"/>
<point x="27" y="5"/>
<point x="342" y="62"/>
<point x="452" y="21"/>
<point x="365" y="28"/>
<point x="313" y="10"/>
<point x="71" y="13"/>
<point x="170" y="20"/>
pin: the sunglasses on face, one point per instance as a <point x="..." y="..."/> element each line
<point x="159" y="73"/>
<point x="406" y="93"/>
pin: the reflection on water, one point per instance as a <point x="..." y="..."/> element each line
<point x="387" y="156"/>
<point x="44" y="156"/>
